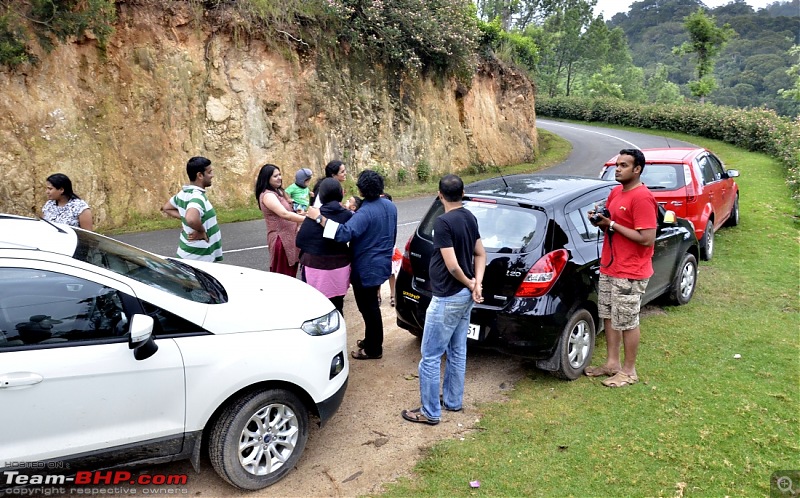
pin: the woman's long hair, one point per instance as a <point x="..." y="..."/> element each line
<point x="262" y="182"/>
<point x="60" y="180"/>
<point x="331" y="170"/>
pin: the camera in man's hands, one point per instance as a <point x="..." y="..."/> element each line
<point x="599" y="210"/>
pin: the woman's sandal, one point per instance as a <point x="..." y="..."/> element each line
<point x="417" y="417"/>
<point x="391" y="301"/>
<point x="361" y="355"/>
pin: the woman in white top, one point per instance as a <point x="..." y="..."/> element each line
<point x="63" y="205"/>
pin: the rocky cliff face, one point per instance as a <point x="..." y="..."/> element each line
<point x="123" y="124"/>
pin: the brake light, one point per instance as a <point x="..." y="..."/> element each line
<point x="543" y="274"/>
<point x="407" y="258"/>
<point x="691" y="195"/>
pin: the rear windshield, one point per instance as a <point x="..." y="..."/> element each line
<point x="504" y="229"/>
<point x="656" y="176"/>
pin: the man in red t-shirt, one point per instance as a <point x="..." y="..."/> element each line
<point x="626" y="266"/>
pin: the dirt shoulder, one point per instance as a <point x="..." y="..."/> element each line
<point x="367" y="444"/>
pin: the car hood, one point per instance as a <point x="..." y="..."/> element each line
<point x="259" y="300"/>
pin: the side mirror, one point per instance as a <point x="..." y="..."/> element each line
<point x="141" y="339"/>
<point x="669" y="218"/>
<point x="732" y="173"/>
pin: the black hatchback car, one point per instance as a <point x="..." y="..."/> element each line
<point x="542" y="268"/>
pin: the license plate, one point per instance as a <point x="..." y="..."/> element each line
<point x="474" y="331"/>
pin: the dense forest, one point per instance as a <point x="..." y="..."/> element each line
<point x="653" y="52"/>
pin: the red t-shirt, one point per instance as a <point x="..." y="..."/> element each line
<point x="622" y="257"/>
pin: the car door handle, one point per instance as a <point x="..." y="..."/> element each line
<point x="19" y="379"/>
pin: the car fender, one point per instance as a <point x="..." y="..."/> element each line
<point x="219" y="366"/>
<point x="705" y="216"/>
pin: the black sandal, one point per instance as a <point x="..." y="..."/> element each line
<point x="361" y="355"/>
<point x="417" y="417"/>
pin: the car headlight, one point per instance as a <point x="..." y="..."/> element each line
<point x="323" y="325"/>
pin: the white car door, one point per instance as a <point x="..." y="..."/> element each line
<point x="69" y="383"/>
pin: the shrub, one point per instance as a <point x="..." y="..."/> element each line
<point x="423" y="171"/>
<point x="12" y="43"/>
<point x="758" y="130"/>
<point x="402" y="176"/>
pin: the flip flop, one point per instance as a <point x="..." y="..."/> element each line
<point x="417" y="417"/>
<point x="599" y="371"/>
<point x="361" y="355"/>
<point x="621" y="379"/>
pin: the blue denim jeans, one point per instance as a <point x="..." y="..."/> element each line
<point x="446" y="326"/>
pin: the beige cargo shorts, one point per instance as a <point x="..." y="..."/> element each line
<point x="620" y="299"/>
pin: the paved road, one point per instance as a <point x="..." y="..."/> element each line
<point x="245" y="243"/>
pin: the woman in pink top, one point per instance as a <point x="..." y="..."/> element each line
<point x="282" y="221"/>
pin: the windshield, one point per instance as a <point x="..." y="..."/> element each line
<point x="167" y="275"/>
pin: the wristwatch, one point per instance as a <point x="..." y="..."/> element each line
<point x="610" y="226"/>
<point x="318" y="219"/>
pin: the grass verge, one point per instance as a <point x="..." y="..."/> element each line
<point x="701" y="422"/>
<point x="552" y="150"/>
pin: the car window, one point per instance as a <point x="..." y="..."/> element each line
<point x="706" y="169"/>
<point x="504" y="228"/>
<point x="716" y="166"/>
<point x="656" y="176"/>
<point x="40" y="307"/>
<point x="663" y="176"/>
<point x="578" y="214"/>
<point x="167" y="275"/>
<point x="166" y="323"/>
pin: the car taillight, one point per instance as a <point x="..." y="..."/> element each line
<point x="691" y="195"/>
<point x="407" y="258"/>
<point x="543" y="274"/>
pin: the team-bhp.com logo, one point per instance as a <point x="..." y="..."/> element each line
<point x="84" y="482"/>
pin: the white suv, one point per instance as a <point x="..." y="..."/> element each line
<point x="111" y="355"/>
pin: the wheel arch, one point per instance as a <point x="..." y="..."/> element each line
<point x="304" y="397"/>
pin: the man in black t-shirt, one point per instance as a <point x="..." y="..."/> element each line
<point x="456" y="273"/>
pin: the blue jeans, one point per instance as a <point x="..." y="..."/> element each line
<point x="446" y="326"/>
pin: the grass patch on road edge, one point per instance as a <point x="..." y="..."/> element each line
<point x="700" y="422"/>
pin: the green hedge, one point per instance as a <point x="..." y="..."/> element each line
<point x="759" y="130"/>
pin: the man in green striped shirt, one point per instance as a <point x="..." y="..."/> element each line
<point x="200" y="238"/>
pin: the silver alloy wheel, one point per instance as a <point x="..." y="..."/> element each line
<point x="580" y="344"/>
<point x="268" y="439"/>
<point x="687" y="280"/>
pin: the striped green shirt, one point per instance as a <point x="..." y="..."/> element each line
<point x="193" y="197"/>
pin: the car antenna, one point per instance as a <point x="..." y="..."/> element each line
<point x="53" y="225"/>
<point x="504" y="180"/>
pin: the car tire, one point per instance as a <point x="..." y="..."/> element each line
<point x="576" y="345"/>
<point x="707" y="242"/>
<point x="733" y="219"/>
<point x="275" y="414"/>
<point x="685" y="281"/>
